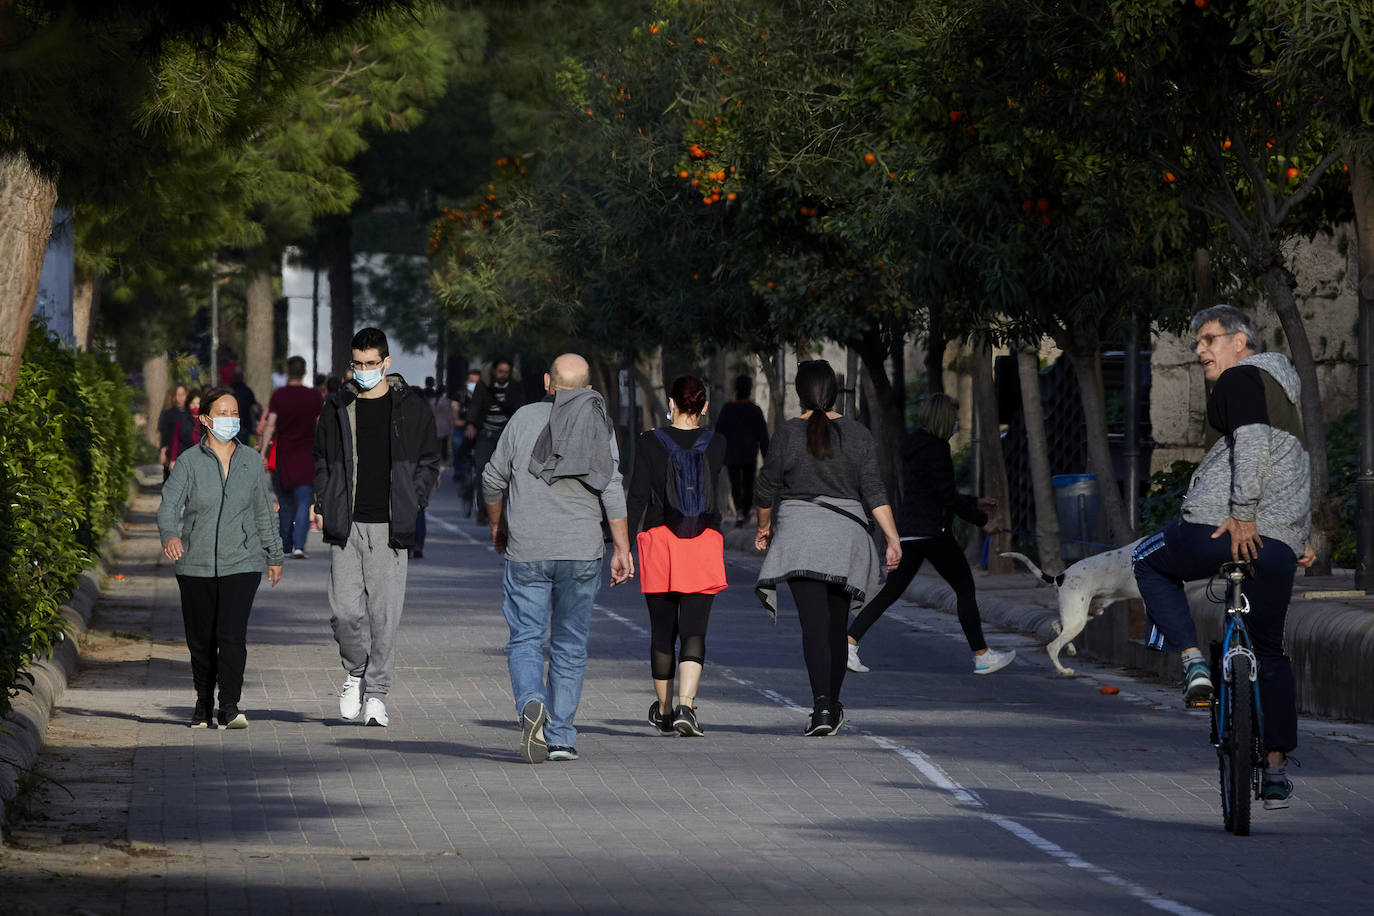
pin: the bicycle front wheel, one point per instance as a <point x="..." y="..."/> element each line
<point x="1238" y="748"/>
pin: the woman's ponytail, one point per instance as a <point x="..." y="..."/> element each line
<point x="817" y="390"/>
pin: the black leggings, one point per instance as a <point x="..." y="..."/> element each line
<point x="675" y="616"/>
<point x="946" y="556"/>
<point x="823" y="609"/>
<point x="742" y="486"/>
<point x="215" y="611"/>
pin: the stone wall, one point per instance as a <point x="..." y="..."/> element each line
<point x="1324" y="269"/>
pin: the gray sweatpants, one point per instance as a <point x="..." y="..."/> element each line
<point x="367" y="589"/>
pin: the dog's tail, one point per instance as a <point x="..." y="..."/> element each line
<point x="1045" y="577"/>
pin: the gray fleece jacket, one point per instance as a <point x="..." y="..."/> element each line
<point x="559" y="520"/>
<point x="1256" y="467"/>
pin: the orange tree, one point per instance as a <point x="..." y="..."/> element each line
<point x="1245" y="150"/>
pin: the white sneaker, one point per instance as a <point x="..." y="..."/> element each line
<point x="351" y="697"/>
<point x="298" y="554"/>
<point x="376" y="712"/>
<point x="854" y="663"/>
<point x="992" y="660"/>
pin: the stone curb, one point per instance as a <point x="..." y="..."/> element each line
<point x="1331" y="644"/>
<point x="27" y="723"/>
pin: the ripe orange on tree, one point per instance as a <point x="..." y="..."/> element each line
<point x="1291" y="173"/>
<point x="870" y="158"/>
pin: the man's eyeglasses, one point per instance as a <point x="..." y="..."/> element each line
<point x="375" y="364"/>
<point x="1206" y="340"/>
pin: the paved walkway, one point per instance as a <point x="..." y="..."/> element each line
<point x="947" y="792"/>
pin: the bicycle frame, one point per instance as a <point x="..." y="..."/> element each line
<point x="1236" y="641"/>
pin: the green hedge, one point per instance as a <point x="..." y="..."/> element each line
<point x="67" y="443"/>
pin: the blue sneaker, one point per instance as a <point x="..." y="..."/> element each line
<point x="561" y="753"/>
<point x="1275" y="788"/>
<point x="1198" y="679"/>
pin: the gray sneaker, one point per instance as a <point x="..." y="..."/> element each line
<point x="992" y="660"/>
<point x="533" y="747"/>
<point x="1275" y="788"/>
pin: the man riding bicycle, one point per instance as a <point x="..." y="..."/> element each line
<point x="1249" y="500"/>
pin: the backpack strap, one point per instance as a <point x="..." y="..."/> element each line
<point x="867" y="524"/>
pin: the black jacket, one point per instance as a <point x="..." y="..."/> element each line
<point x="484" y="399"/>
<point x="414" y="461"/>
<point x="745" y="432"/>
<point x="929" y="498"/>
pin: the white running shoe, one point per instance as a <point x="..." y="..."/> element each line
<point x="376" y="712"/>
<point x="854" y="663"/>
<point x="351" y="697"/>
<point x="992" y="660"/>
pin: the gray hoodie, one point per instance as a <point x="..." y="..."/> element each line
<point x="1256" y="467"/>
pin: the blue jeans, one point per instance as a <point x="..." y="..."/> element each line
<point x="553" y="597"/>
<point x="293" y="516"/>
<point x="1185" y="552"/>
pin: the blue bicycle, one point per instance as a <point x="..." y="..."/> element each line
<point x="1237" y="720"/>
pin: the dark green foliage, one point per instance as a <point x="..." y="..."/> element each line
<point x="1167" y="488"/>
<point x="1342" y="455"/>
<point x="67" y="442"/>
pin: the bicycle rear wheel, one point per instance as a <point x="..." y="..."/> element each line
<point x="1237" y="749"/>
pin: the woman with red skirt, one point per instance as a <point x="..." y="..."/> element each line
<point x="681" y="550"/>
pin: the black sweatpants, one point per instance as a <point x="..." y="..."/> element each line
<point x="823" y="610"/>
<point x="948" y="559"/>
<point x="674" y="617"/>
<point x="215" y="610"/>
<point x="742" y="486"/>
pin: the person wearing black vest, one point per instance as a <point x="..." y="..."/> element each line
<point x="493" y="403"/>
<point x="681" y="556"/>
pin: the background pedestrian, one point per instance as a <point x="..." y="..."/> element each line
<point x="746" y="437"/>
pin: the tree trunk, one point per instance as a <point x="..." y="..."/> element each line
<point x="1362" y="194"/>
<point x="26" y="204"/>
<point x="936" y="342"/>
<point x="156" y="381"/>
<point x="1042" y="487"/>
<point x="1083" y="348"/>
<point x="1279" y="283"/>
<point x="994" y="465"/>
<point x="773" y="366"/>
<point x="84" y="299"/>
<point x="887" y="423"/>
<point x="1204" y="289"/>
<point x="257" y="349"/>
<point x="336" y="243"/>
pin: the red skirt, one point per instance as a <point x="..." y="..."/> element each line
<point x="668" y="563"/>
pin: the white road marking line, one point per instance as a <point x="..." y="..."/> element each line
<point x="937" y="776"/>
<point x="455" y="529"/>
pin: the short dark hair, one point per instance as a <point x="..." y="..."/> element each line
<point x="689" y="394"/>
<point x="295" y="367"/>
<point x="371" y="339"/>
<point x="744" y="386"/>
<point x="499" y="361"/>
<point x="211" y="395"/>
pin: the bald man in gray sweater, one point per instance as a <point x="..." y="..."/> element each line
<point x="555" y="472"/>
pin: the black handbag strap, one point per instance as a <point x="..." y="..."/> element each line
<point x="864" y="523"/>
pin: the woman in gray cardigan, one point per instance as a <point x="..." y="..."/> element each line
<point x="217" y="525"/>
<point x="817" y="486"/>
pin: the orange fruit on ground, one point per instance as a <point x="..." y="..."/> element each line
<point x="1109" y="690"/>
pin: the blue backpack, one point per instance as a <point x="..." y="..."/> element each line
<point x="688" y="486"/>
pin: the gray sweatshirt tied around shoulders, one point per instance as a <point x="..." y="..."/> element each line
<point x="548" y="521"/>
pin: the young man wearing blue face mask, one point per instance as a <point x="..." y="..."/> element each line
<point x="219" y="488"/>
<point x="376" y="461"/>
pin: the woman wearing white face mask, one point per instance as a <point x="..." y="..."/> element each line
<point x="217" y="525"/>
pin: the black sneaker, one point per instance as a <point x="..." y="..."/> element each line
<point x="561" y="753"/>
<point x="201" y="718"/>
<point x="685" y="722"/>
<point x="837" y="714"/>
<point x="661" y="721"/>
<point x="822" y="723"/>
<point x="230" y="717"/>
<point x="533" y="747"/>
